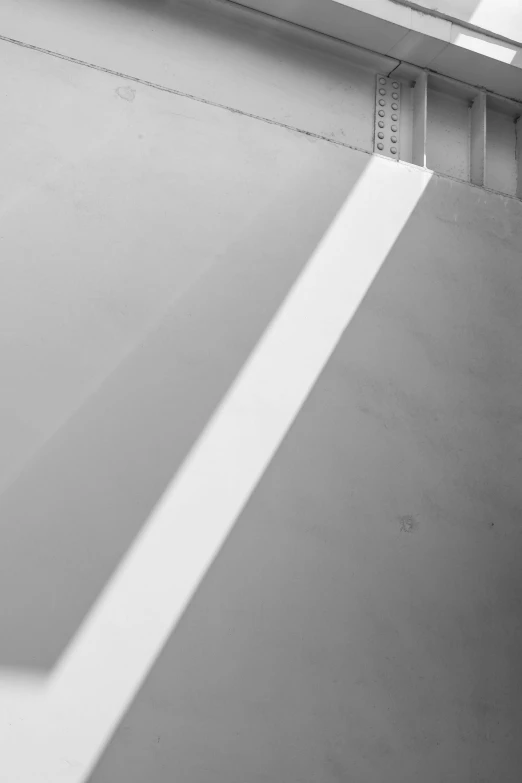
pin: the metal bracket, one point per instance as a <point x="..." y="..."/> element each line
<point x="387" y="117"/>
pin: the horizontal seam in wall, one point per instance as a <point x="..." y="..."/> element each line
<point x="181" y="94"/>
<point x="231" y="109"/>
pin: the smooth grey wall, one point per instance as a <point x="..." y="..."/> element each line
<point x="362" y="623"/>
<point x="147" y="241"/>
<point x="116" y="197"/>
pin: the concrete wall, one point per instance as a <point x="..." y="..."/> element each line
<point x="361" y="621"/>
<point x="130" y="192"/>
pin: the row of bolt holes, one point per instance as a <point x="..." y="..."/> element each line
<point x="394" y="117"/>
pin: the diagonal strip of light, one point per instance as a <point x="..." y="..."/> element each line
<point x="54" y="730"/>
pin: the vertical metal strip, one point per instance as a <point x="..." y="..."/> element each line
<point x="518" y="153"/>
<point x="420" y="119"/>
<point x="477" y="166"/>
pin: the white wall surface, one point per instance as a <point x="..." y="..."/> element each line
<point x="117" y="197"/>
<point x="362" y="620"/>
<point x="448" y="135"/>
<point x="501" y="170"/>
<point x="194" y="47"/>
<point x="161" y="206"/>
<point x="501" y="17"/>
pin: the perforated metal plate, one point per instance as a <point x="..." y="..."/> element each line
<point x="387" y="117"/>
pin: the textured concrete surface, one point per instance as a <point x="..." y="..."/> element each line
<point x="164" y="233"/>
<point x="131" y="195"/>
<point x="116" y="179"/>
<point x="362" y="622"/>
